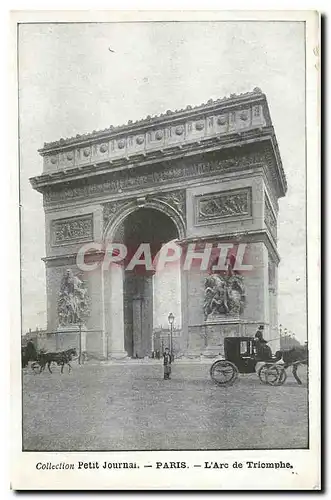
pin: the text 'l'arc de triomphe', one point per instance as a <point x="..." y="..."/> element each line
<point x="206" y="174"/>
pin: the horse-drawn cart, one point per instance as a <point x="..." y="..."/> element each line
<point x="40" y="359"/>
<point x="240" y="357"/>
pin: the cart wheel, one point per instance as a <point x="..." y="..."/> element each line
<point x="223" y="372"/>
<point x="35" y="367"/>
<point x="262" y="373"/>
<point x="276" y="375"/>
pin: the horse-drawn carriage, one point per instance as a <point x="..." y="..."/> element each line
<point x="240" y="356"/>
<point x="40" y="359"/>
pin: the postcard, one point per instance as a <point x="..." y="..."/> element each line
<point x="167" y="327"/>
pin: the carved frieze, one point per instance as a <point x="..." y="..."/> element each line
<point x="176" y="199"/>
<point x="104" y="148"/>
<point x="179" y="130"/>
<point x="270" y="219"/>
<point x="178" y="171"/>
<point x="112" y="209"/>
<point x="215" y="206"/>
<point x="72" y="230"/>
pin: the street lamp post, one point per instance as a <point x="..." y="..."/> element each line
<point x="80" y="343"/>
<point x="171" y="319"/>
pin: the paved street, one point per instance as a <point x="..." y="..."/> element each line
<point x="131" y="407"/>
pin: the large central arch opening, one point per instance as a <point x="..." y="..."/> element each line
<point x="148" y="296"/>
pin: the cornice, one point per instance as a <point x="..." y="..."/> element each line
<point x="168" y="116"/>
<point x="254" y="236"/>
<point x="173" y="153"/>
<point x="70" y="259"/>
<point x="236" y="122"/>
<point x="167" y="153"/>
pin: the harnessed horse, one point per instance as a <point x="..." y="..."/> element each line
<point x="294" y="357"/>
<point x="60" y="358"/>
<point x="28" y="353"/>
<point x="41" y="359"/>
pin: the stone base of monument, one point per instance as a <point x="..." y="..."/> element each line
<point x="118" y="355"/>
<point x="219" y="328"/>
<point x="223" y="319"/>
<point x="213" y="351"/>
<point x="193" y="354"/>
<point x="207" y="339"/>
<point x="71" y="336"/>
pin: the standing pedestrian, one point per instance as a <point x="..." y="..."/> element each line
<point x="166" y="364"/>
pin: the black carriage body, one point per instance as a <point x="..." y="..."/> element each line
<point x="240" y="351"/>
<point x="240" y="357"/>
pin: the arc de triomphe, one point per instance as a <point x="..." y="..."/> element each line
<point x="209" y="174"/>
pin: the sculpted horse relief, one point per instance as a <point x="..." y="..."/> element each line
<point x="73" y="304"/>
<point x="224" y="295"/>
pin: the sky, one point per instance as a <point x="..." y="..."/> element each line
<point x="70" y="83"/>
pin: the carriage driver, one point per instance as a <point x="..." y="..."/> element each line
<point x="263" y="351"/>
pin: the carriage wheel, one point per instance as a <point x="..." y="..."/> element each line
<point x="262" y="373"/>
<point x="223" y="372"/>
<point x="35" y="366"/>
<point x="276" y="375"/>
